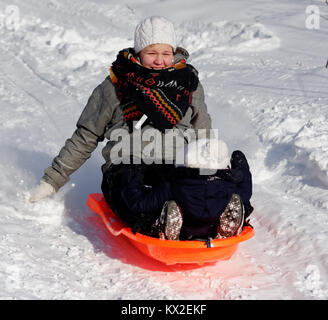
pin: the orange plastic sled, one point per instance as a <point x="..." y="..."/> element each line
<point x="169" y="251"/>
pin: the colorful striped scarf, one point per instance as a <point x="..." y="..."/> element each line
<point x="162" y="95"/>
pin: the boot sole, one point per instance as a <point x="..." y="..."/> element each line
<point x="231" y="220"/>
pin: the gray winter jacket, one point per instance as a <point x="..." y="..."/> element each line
<point x="99" y="120"/>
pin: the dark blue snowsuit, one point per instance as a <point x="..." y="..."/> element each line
<point x="202" y="198"/>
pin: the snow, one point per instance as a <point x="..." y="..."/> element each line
<point x="266" y="83"/>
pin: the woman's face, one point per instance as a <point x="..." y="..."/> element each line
<point x="157" y="56"/>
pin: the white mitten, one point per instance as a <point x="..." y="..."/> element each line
<point x="43" y="190"/>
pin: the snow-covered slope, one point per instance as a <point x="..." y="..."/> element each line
<point x="266" y="89"/>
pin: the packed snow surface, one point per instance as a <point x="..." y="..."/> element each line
<point x="266" y="86"/>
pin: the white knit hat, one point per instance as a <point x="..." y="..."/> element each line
<point x="154" y="30"/>
<point x="207" y="154"/>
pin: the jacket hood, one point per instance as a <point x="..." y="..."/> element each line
<point x="180" y="53"/>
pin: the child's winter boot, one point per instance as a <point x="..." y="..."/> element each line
<point x="231" y="220"/>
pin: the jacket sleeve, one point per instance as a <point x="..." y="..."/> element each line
<point x="200" y="117"/>
<point x="77" y="149"/>
<point x="247" y="186"/>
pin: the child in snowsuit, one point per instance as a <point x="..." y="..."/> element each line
<point x="203" y="199"/>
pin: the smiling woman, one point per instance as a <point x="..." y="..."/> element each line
<point x="152" y="80"/>
<point x="170" y="97"/>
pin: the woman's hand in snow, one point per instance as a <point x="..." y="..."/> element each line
<point x="43" y="190"/>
